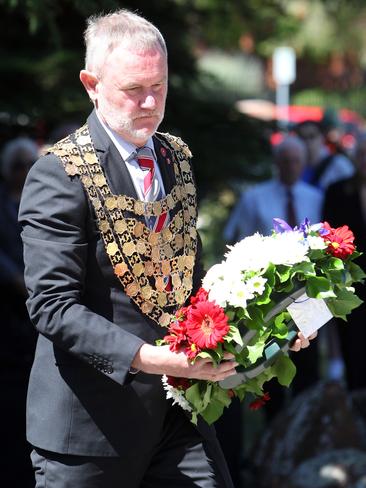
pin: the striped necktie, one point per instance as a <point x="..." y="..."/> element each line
<point x="151" y="187"/>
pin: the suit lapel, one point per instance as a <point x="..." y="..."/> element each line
<point x="115" y="169"/>
<point x="165" y="162"/>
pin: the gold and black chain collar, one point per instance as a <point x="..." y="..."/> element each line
<point x="142" y="259"/>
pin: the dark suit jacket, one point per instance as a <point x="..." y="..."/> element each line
<point x="82" y="399"/>
<point x="342" y="206"/>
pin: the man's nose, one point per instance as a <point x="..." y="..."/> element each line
<point x="149" y="102"/>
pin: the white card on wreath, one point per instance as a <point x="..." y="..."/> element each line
<point x="309" y="314"/>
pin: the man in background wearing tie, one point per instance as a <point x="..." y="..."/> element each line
<point x="285" y="196"/>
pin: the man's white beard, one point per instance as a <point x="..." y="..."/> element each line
<point x="124" y="126"/>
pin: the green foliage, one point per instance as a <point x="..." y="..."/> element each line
<point x="43" y="53"/>
<point x="284" y="369"/>
<point x="353" y="99"/>
<point x="343" y="304"/>
<point x="208" y="400"/>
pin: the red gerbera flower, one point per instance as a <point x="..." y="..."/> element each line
<point x="206" y="324"/>
<point x="339" y="241"/>
<point x="200" y="296"/>
<point x="259" y="402"/>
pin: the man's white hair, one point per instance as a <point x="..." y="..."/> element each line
<point x="105" y="32"/>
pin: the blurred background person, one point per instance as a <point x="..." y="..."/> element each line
<point x="345" y="204"/>
<point x="284" y="196"/>
<point x="333" y="131"/>
<point x="18" y="335"/>
<point x="325" y="165"/>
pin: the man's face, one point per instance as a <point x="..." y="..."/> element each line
<point x="290" y="165"/>
<point x="313" y="139"/>
<point x="131" y="92"/>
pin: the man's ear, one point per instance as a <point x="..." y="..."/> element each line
<point x="90" y="82"/>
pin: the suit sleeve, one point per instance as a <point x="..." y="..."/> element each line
<point x="53" y="214"/>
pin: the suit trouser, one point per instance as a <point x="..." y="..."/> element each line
<point x="183" y="459"/>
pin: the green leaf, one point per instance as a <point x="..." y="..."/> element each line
<point x="196" y="393"/>
<point x="306" y="268"/>
<point x="284" y="369"/>
<point x="316" y="254"/>
<point x="344" y="303"/>
<point x="209" y="355"/>
<point x="280" y="325"/>
<point x="256" y="320"/>
<point x="283" y="272"/>
<point x="230" y="314"/>
<point x="219" y="400"/>
<point x="265" y="297"/>
<point x="229" y="347"/>
<point x="335" y="263"/>
<point x="270" y="275"/>
<point x="255" y="351"/>
<point x="242" y="313"/>
<point x="319" y="287"/>
<point x="255" y="385"/>
<point x="356" y="272"/>
<point x="236" y="335"/>
<point x="338" y="276"/>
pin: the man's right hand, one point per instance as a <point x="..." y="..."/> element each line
<point x="161" y="360"/>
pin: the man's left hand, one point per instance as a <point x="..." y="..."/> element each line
<point x="301" y="342"/>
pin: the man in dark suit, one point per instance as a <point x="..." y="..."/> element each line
<point x="111" y="252"/>
<point x="102" y="282"/>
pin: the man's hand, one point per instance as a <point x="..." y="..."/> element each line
<point x="160" y="360"/>
<point x="302" y="342"/>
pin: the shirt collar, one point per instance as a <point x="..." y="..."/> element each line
<point x="126" y="149"/>
<point x="284" y="187"/>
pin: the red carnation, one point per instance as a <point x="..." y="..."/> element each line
<point x="339" y="240"/>
<point x="177" y="336"/>
<point x="206" y="324"/>
<point x="181" y="313"/>
<point x="192" y="350"/>
<point x="200" y="296"/>
<point x="259" y="402"/>
<point x="180" y="383"/>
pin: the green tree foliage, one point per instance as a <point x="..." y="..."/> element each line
<point x="43" y="53"/>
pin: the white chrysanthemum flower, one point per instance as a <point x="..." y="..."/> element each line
<point x="288" y="248"/>
<point x="214" y="275"/>
<point x="316" y="242"/>
<point x="254" y="253"/>
<point x="239" y="293"/>
<point x="219" y="281"/>
<point x="219" y="294"/>
<point x="256" y="284"/>
<point x="175" y="394"/>
<point x="249" y="254"/>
